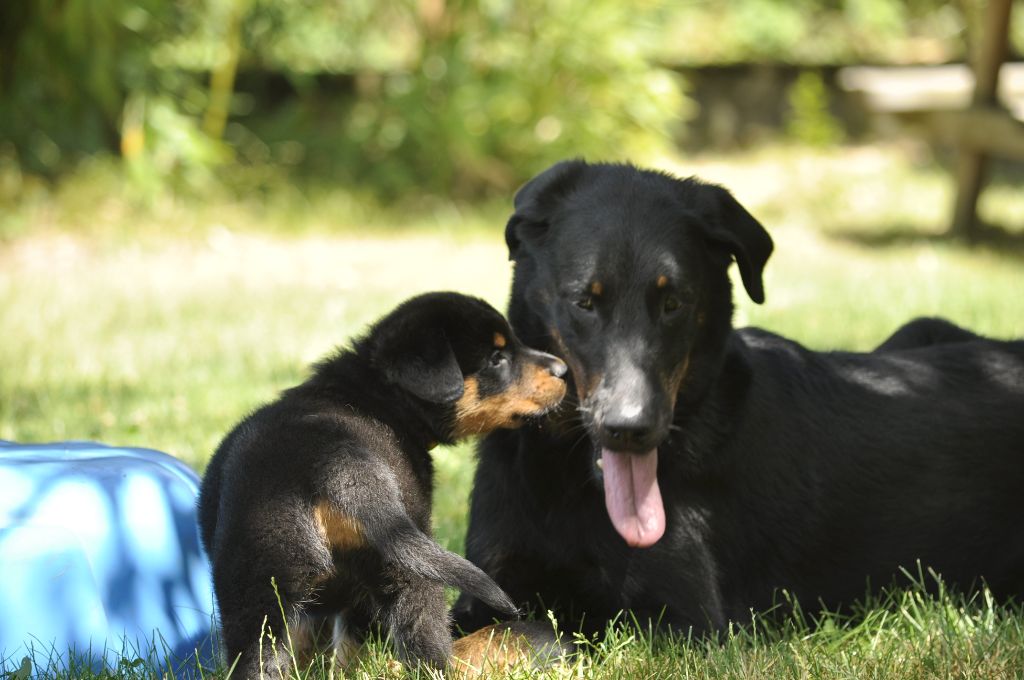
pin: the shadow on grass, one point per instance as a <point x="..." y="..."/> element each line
<point x="989" y="238"/>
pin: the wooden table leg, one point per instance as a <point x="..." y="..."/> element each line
<point x="972" y="162"/>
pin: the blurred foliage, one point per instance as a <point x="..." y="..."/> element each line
<point x="459" y="98"/>
<point x="820" y="32"/>
<point x="80" y="77"/>
<point x="810" y="121"/>
<point x="486" y="94"/>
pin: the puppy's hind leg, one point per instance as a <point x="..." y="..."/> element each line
<point x="256" y="638"/>
<point x="254" y="586"/>
<point x="371" y="512"/>
<point x="414" y="611"/>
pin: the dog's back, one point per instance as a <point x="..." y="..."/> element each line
<point x="877" y="462"/>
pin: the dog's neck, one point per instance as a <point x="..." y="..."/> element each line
<point x="708" y="415"/>
<point x="348" y="380"/>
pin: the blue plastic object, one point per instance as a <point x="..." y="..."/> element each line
<point x="100" y="559"/>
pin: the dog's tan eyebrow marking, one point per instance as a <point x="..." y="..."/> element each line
<point x="662" y="281"/>
<point x="596" y="288"/>
<point x="499" y="340"/>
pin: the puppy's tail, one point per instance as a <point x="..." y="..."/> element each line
<point x="404" y="544"/>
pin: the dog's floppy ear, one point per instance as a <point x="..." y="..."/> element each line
<point x="534" y="201"/>
<point x="420" y="362"/>
<point x="728" y="223"/>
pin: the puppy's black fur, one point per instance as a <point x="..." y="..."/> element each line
<point x="328" y="489"/>
<point x="822" y="473"/>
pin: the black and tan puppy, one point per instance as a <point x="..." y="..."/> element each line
<point x="328" y="489"/>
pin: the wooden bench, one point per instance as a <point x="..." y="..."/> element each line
<point x="979" y="110"/>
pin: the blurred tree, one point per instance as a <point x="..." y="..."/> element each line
<point x="222" y="76"/>
<point x="810" y="121"/>
<point x="80" y="77"/>
<point x="466" y="97"/>
<point x="456" y="97"/>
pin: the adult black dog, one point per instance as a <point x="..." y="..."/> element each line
<point x="707" y="467"/>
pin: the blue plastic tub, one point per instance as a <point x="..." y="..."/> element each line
<point x="100" y="559"/>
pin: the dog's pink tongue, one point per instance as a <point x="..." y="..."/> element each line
<point x="632" y="496"/>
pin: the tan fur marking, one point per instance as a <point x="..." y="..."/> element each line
<point x="677" y="378"/>
<point x="596" y="288"/>
<point x="662" y="281"/>
<point x="535" y="392"/>
<point x="508" y="648"/>
<point x="340" y="532"/>
<point x="488" y="650"/>
<point x="499" y="340"/>
<point x="578" y="374"/>
<point x="303" y="640"/>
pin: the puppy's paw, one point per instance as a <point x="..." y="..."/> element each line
<point x="502" y="647"/>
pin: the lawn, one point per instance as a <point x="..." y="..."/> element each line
<point x="162" y="327"/>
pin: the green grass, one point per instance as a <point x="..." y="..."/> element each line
<point x="920" y="631"/>
<point x="161" y="327"/>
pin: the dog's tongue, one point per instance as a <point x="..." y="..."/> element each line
<point x="632" y="496"/>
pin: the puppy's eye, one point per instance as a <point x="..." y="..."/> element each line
<point x="671" y="304"/>
<point x="497" y="359"/>
<point x="585" y="302"/>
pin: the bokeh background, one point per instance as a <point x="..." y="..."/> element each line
<point x="447" y="98"/>
<point x="200" y="197"/>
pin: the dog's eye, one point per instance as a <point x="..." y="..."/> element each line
<point x="671" y="304"/>
<point x="586" y="303"/>
<point x="497" y="359"/>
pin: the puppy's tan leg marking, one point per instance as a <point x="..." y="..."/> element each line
<point x="338" y="530"/>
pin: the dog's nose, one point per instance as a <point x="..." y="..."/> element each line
<point x="627" y="436"/>
<point x="556" y="367"/>
<point x="551" y="363"/>
<point x="629" y="427"/>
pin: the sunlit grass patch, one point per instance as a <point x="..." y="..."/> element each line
<point x="165" y="334"/>
<point x="918" y="631"/>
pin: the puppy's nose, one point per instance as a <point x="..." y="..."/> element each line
<point x="556" y="367"/>
<point x="551" y="363"/>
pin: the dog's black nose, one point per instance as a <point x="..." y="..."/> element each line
<point x="557" y="367"/>
<point x="628" y="429"/>
<point x="626" y="436"/>
<point x="551" y="363"/>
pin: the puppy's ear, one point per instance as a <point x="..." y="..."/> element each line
<point x="422" y="363"/>
<point x="728" y="224"/>
<point x="535" y="201"/>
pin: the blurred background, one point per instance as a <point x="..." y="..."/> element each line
<point x="462" y="100"/>
<point x="199" y="197"/>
